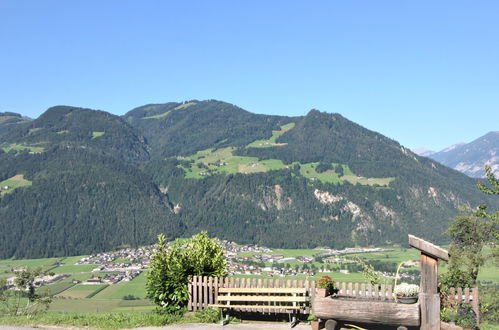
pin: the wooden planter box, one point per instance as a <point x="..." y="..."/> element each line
<point x="366" y="311"/>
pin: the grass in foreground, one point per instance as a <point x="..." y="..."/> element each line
<point x="93" y="320"/>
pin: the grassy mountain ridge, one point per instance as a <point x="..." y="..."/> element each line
<point x="99" y="181"/>
<point x="81" y="128"/>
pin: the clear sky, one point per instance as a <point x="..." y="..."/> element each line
<point x="425" y="73"/>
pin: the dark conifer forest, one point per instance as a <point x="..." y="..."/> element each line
<point x="77" y="181"/>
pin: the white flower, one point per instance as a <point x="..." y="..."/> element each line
<point x="406" y="290"/>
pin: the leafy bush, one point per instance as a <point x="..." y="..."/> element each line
<point x="172" y="268"/>
<point x="489" y="303"/>
<point x="463" y="315"/>
<point x="22" y="298"/>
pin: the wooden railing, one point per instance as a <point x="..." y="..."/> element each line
<point x="203" y="290"/>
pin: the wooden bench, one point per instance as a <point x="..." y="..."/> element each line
<point x="278" y="300"/>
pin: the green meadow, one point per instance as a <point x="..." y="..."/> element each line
<point x="20" y="147"/>
<point x="223" y="161"/>
<point x="82" y="290"/>
<point x="12" y="183"/>
<point x="97" y="134"/>
<point x="135" y="287"/>
<point x="271" y="142"/>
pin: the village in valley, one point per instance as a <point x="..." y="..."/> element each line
<point x="121" y="266"/>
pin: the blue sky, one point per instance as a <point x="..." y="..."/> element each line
<point x="425" y="73"/>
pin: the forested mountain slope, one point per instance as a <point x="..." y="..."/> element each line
<point x="10" y="121"/>
<point x="80" y="181"/>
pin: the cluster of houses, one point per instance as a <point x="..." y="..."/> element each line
<point x="126" y="264"/>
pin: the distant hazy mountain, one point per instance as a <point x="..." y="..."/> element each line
<point x="423" y="152"/>
<point x="469" y="158"/>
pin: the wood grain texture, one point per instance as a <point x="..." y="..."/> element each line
<point x="428" y="248"/>
<point x="376" y="312"/>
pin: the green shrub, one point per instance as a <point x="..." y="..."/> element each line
<point x="172" y="268"/>
<point x="463" y="315"/>
<point x="489" y="303"/>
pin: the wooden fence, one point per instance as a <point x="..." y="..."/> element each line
<point x="203" y="290"/>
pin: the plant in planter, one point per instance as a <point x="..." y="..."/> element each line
<point x="407" y="293"/>
<point x="325" y="286"/>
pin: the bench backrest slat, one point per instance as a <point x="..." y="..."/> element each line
<point x="263" y="290"/>
<point x="263" y="298"/>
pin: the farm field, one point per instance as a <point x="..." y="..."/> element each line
<point x="135" y="287"/>
<point x="82" y="290"/>
<point x="71" y="297"/>
<point x="66" y="269"/>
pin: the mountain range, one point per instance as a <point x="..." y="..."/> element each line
<point x="469" y="158"/>
<point x="77" y="181"/>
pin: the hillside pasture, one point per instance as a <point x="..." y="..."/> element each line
<point x="17" y="181"/>
<point x="96" y="134"/>
<point x="223" y="161"/>
<point x="271" y="142"/>
<point x="330" y="176"/>
<point x="8" y="265"/>
<point x="161" y="115"/>
<point x="20" y="147"/>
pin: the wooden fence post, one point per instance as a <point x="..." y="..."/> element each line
<point x="429" y="299"/>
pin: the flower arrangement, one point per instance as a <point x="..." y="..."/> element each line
<point x="406" y="290"/>
<point x="326" y="282"/>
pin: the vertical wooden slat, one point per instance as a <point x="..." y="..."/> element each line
<point x="369" y="291"/>
<point x="217" y="285"/>
<point x="452" y="293"/>
<point x="350" y="289"/>
<point x="476" y="304"/>
<point x="356" y="293"/>
<point x="390" y="292"/>
<point x="259" y="285"/>
<point x="195" y="293"/>
<point x="363" y="290"/>
<point x="467" y="295"/>
<point x="189" y="303"/>
<point x="383" y="292"/>
<point x="376" y="291"/>
<point x="210" y="290"/>
<point x="205" y="291"/>
<point x="236" y="284"/>
<point x="459" y="294"/>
